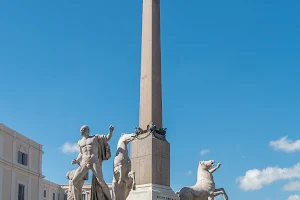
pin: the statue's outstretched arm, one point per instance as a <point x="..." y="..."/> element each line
<point x="79" y="157"/>
<point x="110" y="133"/>
<point x="215" y="169"/>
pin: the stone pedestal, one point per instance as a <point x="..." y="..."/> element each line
<point x="152" y="192"/>
<point x="150" y="159"/>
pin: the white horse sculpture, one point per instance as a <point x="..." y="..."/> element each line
<point x="205" y="186"/>
<point x="124" y="178"/>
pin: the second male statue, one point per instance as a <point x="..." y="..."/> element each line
<point x="93" y="150"/>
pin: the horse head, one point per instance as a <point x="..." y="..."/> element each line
<point x="126" y="138"/>
<point x="206" y="165"/>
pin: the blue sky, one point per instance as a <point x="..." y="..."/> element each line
<point x="230" y="84"/>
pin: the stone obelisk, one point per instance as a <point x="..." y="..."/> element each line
<point x="150" y="156"/>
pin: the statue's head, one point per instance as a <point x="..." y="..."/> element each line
<point x="206" y="165"/>
<point x="128" y="137"/>
<point x="85" y="130"/>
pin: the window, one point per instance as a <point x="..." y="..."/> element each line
<point x="22" y="158"/>
<point x="21" y="192"/>
<point x="65" y="196"/>
<point x="83" y="197"/>
<point x="53" y="196"/>
<point x="45" y="193"/>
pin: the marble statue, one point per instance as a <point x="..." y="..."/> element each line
<point x="93" y="150"/>
<point x="124" y="178"/>
<point x="205" y="186"/>
<point x="77" y="190"/>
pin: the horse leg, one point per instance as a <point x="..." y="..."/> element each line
<point x="219" y="191"/>
<point x="119" y="193"/>
<point x="131" y="175"/>
<point x="120" y="174"/>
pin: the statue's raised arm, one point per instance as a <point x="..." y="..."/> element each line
<point x="110" y="132"/>
<point x="108" y="136"/>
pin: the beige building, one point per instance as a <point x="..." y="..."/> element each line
<point x="21" y="175"/>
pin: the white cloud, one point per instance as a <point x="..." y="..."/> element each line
<point x="204" y="151"/>
<point x="294" y="197"/>
<point x="189" y="173"/>
<point x="255" y="179"/>
<point x="292" y="186"/>
<point x="286" y="145"/>
<point x="68" y="147"/>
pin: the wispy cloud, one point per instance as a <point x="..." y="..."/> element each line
<point x="189" y="173"/>
<point x="292" y="186"/>
<point x="286" y="145"/>
<point x="294" y="197"/>
<point x="68" y="148"/>
<point x="204" y="151"/>
<point x="255" y="179"/>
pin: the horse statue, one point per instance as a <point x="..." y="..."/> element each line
<point x="205" y="186"/>
<point x="124" y="178"/>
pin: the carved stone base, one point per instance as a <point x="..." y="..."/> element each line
<point x="152" y="192"/>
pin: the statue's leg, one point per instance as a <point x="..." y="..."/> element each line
<point x="219" y="191"/>
<point x="78" y="175"/>
<point x="118" y="191"/>
<point x="120" y="175"/>
<point x="130" y="184"/>
<point x="127" y="190"/>
<point x="97" y="171"/>
<point x="131" y="175"/>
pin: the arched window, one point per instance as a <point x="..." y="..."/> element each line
<point x="45" y="192"/>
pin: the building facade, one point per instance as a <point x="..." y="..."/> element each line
<point x="21" y="175"/>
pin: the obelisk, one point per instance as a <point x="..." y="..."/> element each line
<point x="150" y="156"/>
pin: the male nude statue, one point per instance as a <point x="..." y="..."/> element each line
<point x="93" y="150"/>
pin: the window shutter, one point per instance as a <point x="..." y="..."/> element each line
<point x="19" y="157"/>
<point x="25" y="159"/>
<point x="21" y="192"/>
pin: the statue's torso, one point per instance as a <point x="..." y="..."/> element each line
<point x="89" y="148"/>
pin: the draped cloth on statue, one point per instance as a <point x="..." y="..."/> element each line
<point x="103" y="154"/>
